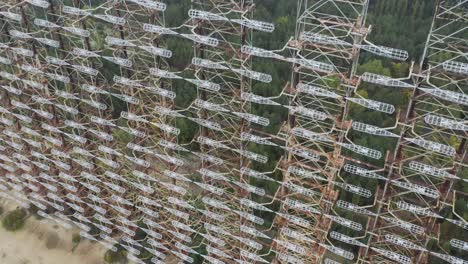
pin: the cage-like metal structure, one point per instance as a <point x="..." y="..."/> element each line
<point x="91" y="133"/>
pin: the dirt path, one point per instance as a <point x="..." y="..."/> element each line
<point x="42" y="242"/>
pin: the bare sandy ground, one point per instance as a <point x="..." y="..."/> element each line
<point x="42" y="242"/>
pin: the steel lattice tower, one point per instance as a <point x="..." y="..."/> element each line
<point x="90" y="133"/>
<point x="431" y="150"/>
<point x="327" y="43"/>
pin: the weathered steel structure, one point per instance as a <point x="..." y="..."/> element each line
<point x="91" y="133"/>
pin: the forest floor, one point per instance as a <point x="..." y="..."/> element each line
<point x="42" y="242"/>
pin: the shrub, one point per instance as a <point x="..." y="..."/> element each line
<point x="33" y="209"/>
<point x="118" y="257"/>
<point x="76" y="238"/>
<point x="14" y="220"/>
